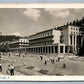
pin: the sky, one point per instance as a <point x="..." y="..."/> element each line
<point x="28" y="21"/>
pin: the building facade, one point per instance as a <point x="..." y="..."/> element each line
<point x="19" y="45"/>
<point x="57" y="40"/>
<point x="47" y="41"/>
<point x="70" y="34"/>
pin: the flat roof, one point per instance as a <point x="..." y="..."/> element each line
<point x="65" y="26"/>
<point x="44" y="31"/>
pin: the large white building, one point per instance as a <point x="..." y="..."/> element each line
<point x="57" y="40"/>
<point x="47" y="41"/>
<point x="70" y="34"/>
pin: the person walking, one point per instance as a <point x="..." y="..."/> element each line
<point x="12" y="69"/>
<point x="45" y="62"/>
<point x="9" y="54"/>
<point x="41" y="57"/>
<point x="19" y="54"/>
<point x="58" y="59"/>
<point x="9" y="69"/>
<point x="64" y="65"/>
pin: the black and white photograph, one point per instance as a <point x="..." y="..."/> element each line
<point x="42" y="41"/>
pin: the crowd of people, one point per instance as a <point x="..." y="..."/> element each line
<point x="52" y="59"/>
<point x="10" y="69"/>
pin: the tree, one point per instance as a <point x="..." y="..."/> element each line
<point x="74" y="22"/>
<point x="4" y="47"/>
<point x="70" y="23"/>
<point x="82" y="20"/>
<point x="67" y="24"/>
<point x="77" y="22"/>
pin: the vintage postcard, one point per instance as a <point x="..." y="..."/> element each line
<point x="42" y="42"/>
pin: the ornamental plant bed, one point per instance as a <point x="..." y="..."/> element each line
<point x="43" y="71"/>
<point x="30" y="67"/>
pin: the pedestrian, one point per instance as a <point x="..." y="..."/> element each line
<point x="8" y="70"/>
<point x="58" y="59"/>
<point x="19" y="54"/>
<point x="64" y="65"/>
<point x="12" y="69"/>
<point x="23" y="55"/>
<point x="53" y="61"/>
<point x="9" y="54"/>
<point x="41" y="57"/>
<point x="45" y="62"/>
<point x="1" y="67"/>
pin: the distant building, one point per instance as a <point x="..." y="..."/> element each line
<point x="19" y="45"/>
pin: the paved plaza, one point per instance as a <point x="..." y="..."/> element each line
<point x="32" y="64"/>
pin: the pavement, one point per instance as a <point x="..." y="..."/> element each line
<point x="31" y="64"/>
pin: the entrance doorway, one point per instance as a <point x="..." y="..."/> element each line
<point x="61" y="49"/>
<point x="56" y="49"/>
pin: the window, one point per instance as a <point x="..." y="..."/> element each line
<point x="43" y="34"/>
<point x="51" y="33"/>
<point x="48" y="33"/>
<point x="71" y="39"/>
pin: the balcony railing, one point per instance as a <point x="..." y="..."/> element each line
<point x="41" y="37"/>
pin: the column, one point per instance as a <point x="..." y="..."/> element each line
<point x="50" y="49"/>
<point x="47" y="49"/>
<point x="53" y="48"/>
<point x="64" y="49"/>
<point x="58" y="49"/>
<point x="75" y="43"/>
<point x="35" y="50"/>
<point x="42" y="50"/>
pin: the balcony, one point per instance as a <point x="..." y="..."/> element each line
<point x="41" y="37"/>
<point x="40" y="41"/>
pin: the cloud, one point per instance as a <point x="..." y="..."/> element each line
<point x="15" y="33"/>
<point x="63" y="13"/>
<point x="32" y="13"/>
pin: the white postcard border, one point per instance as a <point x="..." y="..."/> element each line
<point x="41" y="78"/>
